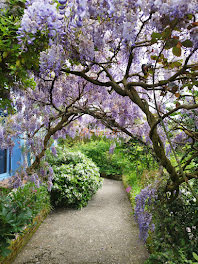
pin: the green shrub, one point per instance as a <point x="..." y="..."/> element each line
<point x="110" y="163"/>
<point x="139" y="157"/>
<point x="126" y="158"/>
<point x="76" y="179"/>
<point x="4" y="191"/>
<point x="17" y="209"/>
<point x="176" y="230"/>
<point x="98" y="151"/>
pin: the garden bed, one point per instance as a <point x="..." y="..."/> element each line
<point x="21" y="212"/>
<point x="22" y="239"/>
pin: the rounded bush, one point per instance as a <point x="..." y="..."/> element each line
<point x="76" y="179"/>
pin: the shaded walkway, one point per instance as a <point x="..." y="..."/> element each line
<point x="104" y="232"/>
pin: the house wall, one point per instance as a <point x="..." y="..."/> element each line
<point x="14" y="160"/>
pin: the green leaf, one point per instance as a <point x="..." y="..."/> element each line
<point x="189" y="16"/>
<point x="167" y="33"/>
<point x="187" y="43"/>
<point x="195" y="255"/>
<point x="175" y="64"/>
<point x="154" y="57"/>
<point x="173" y="114"/>
<point x="171" y="43"/>
<point x="176" y="51"/>
<point x="156" y="35"/>
<point x="5" y="252"/>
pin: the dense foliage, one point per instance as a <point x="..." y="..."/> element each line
<point x="141" y="158"/>
<point x="115" y="157"/>
<point x="169" y="229"/>
<point x="98" y="151"/>
<point x="14" y="62"/>
<point x="17" y="209"/>
<point x="106" y="155"/>
<point x="76" y="179"/>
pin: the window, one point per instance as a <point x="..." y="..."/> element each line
<point x="3" y="161"/>
<point x="10" y="161"/>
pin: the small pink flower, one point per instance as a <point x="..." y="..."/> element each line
<point x="128" y="189"/>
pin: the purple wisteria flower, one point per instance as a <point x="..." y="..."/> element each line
<point x="49" y="186"/>
<point x="53" y="150"/>
<point x="112" y="148"/>
<point x="142" y="214"/>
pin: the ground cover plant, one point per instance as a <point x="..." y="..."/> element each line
<point x="76" y="179"/>
<point x="18" y="207"/>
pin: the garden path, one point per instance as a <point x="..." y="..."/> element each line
<point x="104" y="232"/>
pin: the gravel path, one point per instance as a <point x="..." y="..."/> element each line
<point x="104" y="232"/>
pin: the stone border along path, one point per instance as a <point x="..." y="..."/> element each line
<point x="104" y="232"/>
